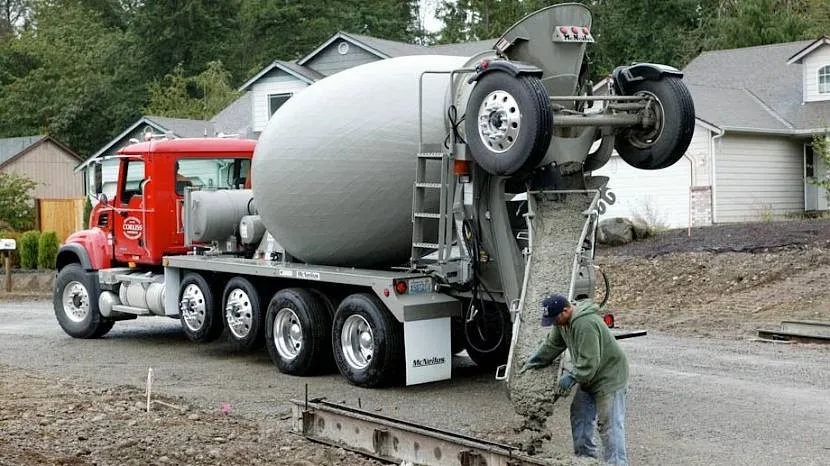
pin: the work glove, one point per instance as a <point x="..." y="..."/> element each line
<point x="566" y="383"/>
<point x="533" y="362"/>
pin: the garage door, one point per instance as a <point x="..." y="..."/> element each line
<point x="661" y="197"/>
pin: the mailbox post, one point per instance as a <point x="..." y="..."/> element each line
<point x="6" y="247"/>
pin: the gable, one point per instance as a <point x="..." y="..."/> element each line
<point x="817" y="75"/>
<point x="339" y="55"/>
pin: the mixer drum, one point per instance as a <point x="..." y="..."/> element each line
<point x="333" y="171"/>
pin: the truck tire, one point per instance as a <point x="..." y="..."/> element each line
<point x="368" y="342"/>
<point x="298" y="332"/>
<point x="243" y="316"/>
<point x="488" y="334"/>
<point x="198" y="313"/>
<point x="663" y="145"/>
<point x="75" y="300"/>
<point x="509" y="123"/>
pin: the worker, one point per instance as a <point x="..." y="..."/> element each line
<point x="600" y="369"/>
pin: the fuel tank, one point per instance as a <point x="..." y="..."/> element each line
<point x="333" y="171"/>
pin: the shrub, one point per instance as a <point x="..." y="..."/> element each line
<point x="16" y="206"/>
<point x="47" y="251"/>
<point x="28" y="248"/>
<point x="15" y="255"/>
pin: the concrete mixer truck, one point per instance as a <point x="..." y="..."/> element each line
<point x="389" y="216"/>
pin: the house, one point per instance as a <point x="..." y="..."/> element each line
<point x="59" y="189"/>
<point x="45" y="161"/>
<point x="757" y="110"/>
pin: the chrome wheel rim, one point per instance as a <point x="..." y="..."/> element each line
<point x="357" y="342"/>
<point x="499" y="121"/>
<point x="288" y="334"/>
<point x="239" y="313"/>
<point x="75" y="301"/>
<point x="193" y="307"/>
<point x="646" y="137"/>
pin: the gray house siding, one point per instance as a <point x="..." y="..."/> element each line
<point x="274" y="83"/>
<point x="331" y="61"/>
<point x="757" y="178"/>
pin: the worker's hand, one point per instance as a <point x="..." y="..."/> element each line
<point x="566" y="383"/>
<point x="534" y="362"/>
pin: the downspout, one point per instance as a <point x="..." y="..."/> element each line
<point x="719" y="135"/>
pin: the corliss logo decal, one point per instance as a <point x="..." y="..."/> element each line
<point x="132" y="228"/>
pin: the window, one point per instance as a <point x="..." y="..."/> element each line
<point x="275" y="101"/>
<point x="220" y="173"/>
<point x="824" y="80"/>
<point x="133" y="178"/>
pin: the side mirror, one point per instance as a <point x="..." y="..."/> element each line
<point x="102" y="198"/>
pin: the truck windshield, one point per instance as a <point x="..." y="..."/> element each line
<point x="216" y="173"/>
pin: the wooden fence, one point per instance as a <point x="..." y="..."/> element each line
<point x="63" y="216"/>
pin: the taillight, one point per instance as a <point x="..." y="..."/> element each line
<point x="609" y="320"/>
<point x="461" y="167"/>
<point x="400" y="286"/>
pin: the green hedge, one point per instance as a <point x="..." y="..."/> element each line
<point x="15" y="255"/>
<point x="28" y="248"/>
<point x="47" y="251"/>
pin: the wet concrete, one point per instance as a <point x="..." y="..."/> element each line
<point x="558" y="226"/>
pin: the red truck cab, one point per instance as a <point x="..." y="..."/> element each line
<point x="143" y="220"/>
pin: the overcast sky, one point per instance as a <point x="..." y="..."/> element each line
<point x="428" y="10"/>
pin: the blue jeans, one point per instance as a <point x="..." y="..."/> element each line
<point x="608" y="413"/>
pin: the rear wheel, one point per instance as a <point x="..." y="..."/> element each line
<point x="662" y="144"/>
<point x="367" y="342"/>
<point x="509" y="123"/>
<point x="488" y="331"/>
<point x="298" y="332"/>
<point x="243" y="314"/>
<point x="197" y="309"/>
<point x="75" y="300"/>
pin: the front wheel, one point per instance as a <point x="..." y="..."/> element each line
<point x="368" y="342"/>
<point x="75" y="300"/>
<point x="664" y="142"/>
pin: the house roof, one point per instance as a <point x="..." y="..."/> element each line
<point x="300" y="72"/>
<point x="235" y="118"/>
<point x="799" y="56"/>
<point x="12" y="148"/>
<point x="384" y="48"/>
<point x="755" y="89"/>
<point x="180" y="127"/>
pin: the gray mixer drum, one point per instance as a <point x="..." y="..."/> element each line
<point x="334" y="169"/>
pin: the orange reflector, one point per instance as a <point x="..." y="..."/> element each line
<point x="609" y="320"/>
<point x="461" y="167"/>
<point x="131" y="265"/>
<point x="400" y="286"/>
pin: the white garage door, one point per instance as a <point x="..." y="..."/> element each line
<point x="661" y="197"/>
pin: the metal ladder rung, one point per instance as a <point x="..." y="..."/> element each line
<point x="427" y="215"/>
<point x="430" y="155"/>
<point x="428" y="185"/>
<point x="425" y="245"/>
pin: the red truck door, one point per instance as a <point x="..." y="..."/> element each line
<point x="130" y="219"/>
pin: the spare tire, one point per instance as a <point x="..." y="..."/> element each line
<point x="509" y="123"/>
<point x="660" y="146"/>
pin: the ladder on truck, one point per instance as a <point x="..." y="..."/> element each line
<point x="431" y="229"/>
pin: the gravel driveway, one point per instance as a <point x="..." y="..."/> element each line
<point x="691" y="401"/>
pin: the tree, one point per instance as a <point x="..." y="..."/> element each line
<point x="746" y="23"/>
<point x="71" y="78"/>
<point x="200" y="97"/>
<point x="13" y="16"/>
<point x="16" y="206"/>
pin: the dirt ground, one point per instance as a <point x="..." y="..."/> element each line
<point x="720" y="282"/>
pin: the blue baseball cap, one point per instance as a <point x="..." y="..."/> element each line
<point x="552" y="306"/>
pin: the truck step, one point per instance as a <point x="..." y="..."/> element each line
<point x="139" y="311"/>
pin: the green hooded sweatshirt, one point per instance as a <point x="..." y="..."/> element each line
<point x="600" y="366"/>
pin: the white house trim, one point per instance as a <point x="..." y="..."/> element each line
<point x="270" y="67"/>
<point x="808" y="50"/>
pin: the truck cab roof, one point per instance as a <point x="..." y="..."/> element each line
<point x="199" y="146"/>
